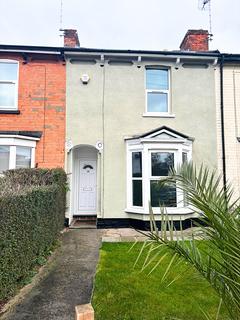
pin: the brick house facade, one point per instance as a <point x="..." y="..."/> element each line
<point x="37" y="119"/>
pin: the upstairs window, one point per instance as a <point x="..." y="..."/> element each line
<point x="157" y="90"/>
<point x="8" y="84"/>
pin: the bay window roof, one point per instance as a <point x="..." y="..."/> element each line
<point x="161" y="133"/>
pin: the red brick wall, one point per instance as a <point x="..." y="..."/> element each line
<point x="71" y="38"/>
<point x="195" y="40"/>
<point x="41" y="102"/>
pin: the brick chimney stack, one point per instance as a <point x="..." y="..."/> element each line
<point x="195" y="40"/>
<point x="71" y="38"/>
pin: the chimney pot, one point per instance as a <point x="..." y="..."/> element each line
<point x="71" y="38"/>
<point x="195" y="40"/>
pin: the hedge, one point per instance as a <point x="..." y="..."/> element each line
<point x="36" y="177"/>
<point x="30" y="221"/>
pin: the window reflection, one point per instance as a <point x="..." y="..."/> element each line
<point x="136" y="164"/>
<point x="163" y="196"/>
<point x="23" y="157"/>
<point x="4" y="158"/>
<point x="162" y="163"/>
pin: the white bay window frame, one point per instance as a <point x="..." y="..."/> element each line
<point x="158" y="178"/>
<point x="147" y="145"/>
<point x="130" y="178"/>
<point x="137" y="178"/>
<point x="15" y="141"/>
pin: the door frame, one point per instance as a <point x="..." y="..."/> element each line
<point x="82" y="152"/>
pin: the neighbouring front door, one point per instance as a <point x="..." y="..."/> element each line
<point x="87" y="187"/>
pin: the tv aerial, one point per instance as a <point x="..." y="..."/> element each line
<point x="205" y="5"/>
<point x="61" y="18"/>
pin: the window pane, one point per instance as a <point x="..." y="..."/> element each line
<point x="184" y="157"/>
<point x="137" y="164"/>
<point x="8" y="71"/>
<point x="7" y="94"/>
<point x="162" y="162"/>
<point x="185" y="160"/>
<point x="157" y="79"/>
<point x="157" y="102"/>
<point x="23" y="157"/>
<point x="4" y="158"/>
<point x="163" y="196"/>
<point x="137" y="193"/>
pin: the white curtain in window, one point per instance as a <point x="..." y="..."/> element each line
<point x="4" y="158"/>
<point x="23" y="157"/>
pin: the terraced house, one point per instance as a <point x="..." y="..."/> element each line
<point x="32" y="107"/>
<point x="130" y="116"/>
<point x="117" y="120"/>
<point x="228" y="118"/>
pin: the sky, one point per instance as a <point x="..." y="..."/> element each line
<point x="119" y="24"/>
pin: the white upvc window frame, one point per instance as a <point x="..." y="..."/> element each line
<point x="18" y="141"/>
<point x="158" y="114"/>
<point x="15" y="82"/>
<point x="147" y="146"/>
<point x="136" y="178"/>
<point x="158" y="178"/>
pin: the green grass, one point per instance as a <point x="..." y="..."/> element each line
<point x="123" y="292"/>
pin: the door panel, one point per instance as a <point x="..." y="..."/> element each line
<point x="86" y="191"/>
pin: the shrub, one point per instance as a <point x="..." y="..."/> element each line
<point x="30" y="221"/>
<point x="36" y="177"/>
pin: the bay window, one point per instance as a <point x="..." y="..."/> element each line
<point x="150" y="158"/>
<point x="17" y="152"/>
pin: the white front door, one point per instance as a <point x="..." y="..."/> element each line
<point x="86" y="187"/>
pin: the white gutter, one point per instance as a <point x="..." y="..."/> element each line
<point x="167" y="56"/>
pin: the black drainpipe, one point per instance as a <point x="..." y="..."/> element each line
<point x="222" y="124"/>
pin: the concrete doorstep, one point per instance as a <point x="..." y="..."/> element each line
<point x="84" y="312"/>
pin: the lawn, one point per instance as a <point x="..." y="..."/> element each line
<point x="123" y="292"/>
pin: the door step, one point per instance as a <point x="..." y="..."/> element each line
<point x="84" y="222"/>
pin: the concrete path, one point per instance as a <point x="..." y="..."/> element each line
<point x="69" y="282"/>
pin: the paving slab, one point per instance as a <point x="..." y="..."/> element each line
<point x="132" y="235"/>
<point x="68" y="283"/>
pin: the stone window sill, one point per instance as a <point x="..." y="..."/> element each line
<point x="9" y="112"/>
<point x="158" y="115"/>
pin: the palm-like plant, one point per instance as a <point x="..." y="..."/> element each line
<point x="220" y="264"/>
